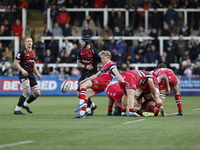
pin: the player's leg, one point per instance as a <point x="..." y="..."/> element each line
<point x="26" y="91"/>
<point x="131" y="102"/>
<point x="83" y="94"/>
<point x="178" y="100"/>
<point x="81" y="114"/>
<point x="110" y="106"/>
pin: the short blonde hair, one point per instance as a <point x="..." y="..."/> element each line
<point x="106" y="53"/>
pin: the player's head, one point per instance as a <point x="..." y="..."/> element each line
<point x="28" y="42"/>
<point x="85" y="41"/>
<point x="162" y="65"/>
<point x="105" y="56"/>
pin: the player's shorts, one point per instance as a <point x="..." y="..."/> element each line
<point x="84" y="76"/>
<point x="30" y="77"/>
<point x="98" y="86"/>
<point x="173" y="81"/>
<point x="128" y="78"/>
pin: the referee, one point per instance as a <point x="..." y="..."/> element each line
<point x="88" y="58"/>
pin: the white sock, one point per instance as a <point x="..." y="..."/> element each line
<point x="88" y="110"/>
<point x="81" y="101"/>
<point x="92" y="105"/>
<point x="82" y="112"/>
<point x="17" y="108"/>
<point x="25" y="103"/>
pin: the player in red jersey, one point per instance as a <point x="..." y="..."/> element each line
<point x="137" y="79"/>
<point x="25" y="62"/>
<point x="114" y="94"/>
<point x="171" y="81"/>
<point x="97" y="83"/>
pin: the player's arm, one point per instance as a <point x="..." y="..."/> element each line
<point x="165" y="78"/>
<point x="35" y="70"/>
<point x="80" y="65"/>
<point x="118" y="75"/>
<point x="17" y="65"/>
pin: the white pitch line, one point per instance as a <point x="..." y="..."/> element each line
<point x="197" y="109"/>
<point x="15" y="144"/>
<point x="133" y="121"/>
<point x="171" y="114"/>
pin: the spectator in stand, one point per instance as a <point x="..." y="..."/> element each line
<point x="90" y="23"/>
<point x="148" y="45"/>
<point x="46" y="5"/>
<point x="23" y="4"/>
<point x="110" y="45"/>
<point x="46" y="32"/>
<point x="75" y="72"/>
<point x="196" y="70"/>
<point x="7" y="26"/>
<point x="188" y="71"/>
<point x="63" y="55"/>
<point x="63" y="17"/>
<point x="100" y="44"/>
<point x="45" y="69"/>
<point x="8" y="16"/>
<point x="140" y="50"/>
<point x="129" y="43"/>
<point x="106" y="32"/>
<point x="76" y="31"/>
<point x="68" y="46"/>
<point x="119" y="20"/>
<point x="39" y="47"/>
<point x="193" y="50"/>
<point x="7" y="55"/>
<point x="73" y="55"/>
<point x="54" y="13"/>
<point x="81" y="15"/>
<point x="117" y="31"/>
<point x="170" y="48"/>
<point x="57" y="30"/>
<point x="67" y="31"/>
<point x="186" y="5"/>
<point x="67" y="72"/>
<point x="99" y="15"/>
<point x="17" y="29"/>
<point x="120" y="47"/>
<point x="184" y="30"/>
<point x="111" y="17"/>
<point x="196" y="5"/>
<point x="153" y="55"/>
<point x="87" y="32"/>
<point x="181" y="48"/>
<point x="141" y="32"/>
<point x="53" y="46"/>
<point x="171" y="16"/>
<point x="137" y="59"/>
<point x="61" y="75"/>
<point x="48" y="58"/>
<point x="165" y="31"/>
<point x="154" y="34"/>
<point x="5" y="32"/>
<point x="156" y="20"/>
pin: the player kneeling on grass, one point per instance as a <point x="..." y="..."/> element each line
<point x="97" y="83"/>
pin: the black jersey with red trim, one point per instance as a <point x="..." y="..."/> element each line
<point x="89" y="56"/>
<point x="27" y="59"/>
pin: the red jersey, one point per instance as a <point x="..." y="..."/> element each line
<point x="136" y="78"/>
<point x="100" y="83"/>
<point x="173" y="80"/>
<point x="115" y="93"/>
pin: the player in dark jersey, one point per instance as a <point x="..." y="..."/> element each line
<point x="25" y="62"/>
<point x="88" y="58"/>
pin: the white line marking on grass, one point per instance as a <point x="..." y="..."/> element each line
<point x="133" y="121"/>
<point x="171" y="114"/>
<point x="197" y="109"/>
<point x="15" y="144"/>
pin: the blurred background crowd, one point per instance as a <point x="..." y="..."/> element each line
<point x="124" y="52"/>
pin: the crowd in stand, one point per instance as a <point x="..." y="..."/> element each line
<point x="184" y="52"/>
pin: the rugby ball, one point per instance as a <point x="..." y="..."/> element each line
<point x="65" y="86"/>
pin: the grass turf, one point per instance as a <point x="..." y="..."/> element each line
<point x="51" y="126"/>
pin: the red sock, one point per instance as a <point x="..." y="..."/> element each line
<point x="110" y="107"/>
<point x="131" y="109"/>
<point x="83" y="93"/>
<point x="123" y="109"/>
<point x="84" y="108"/>
<point x="154" y="109"/>
<point x="159" y="104"/>
<point x="178" y="102"/>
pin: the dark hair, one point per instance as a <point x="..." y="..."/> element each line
<point x="162" y="65"/>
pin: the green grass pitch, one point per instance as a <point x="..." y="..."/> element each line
<point x="51" y="127"/>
